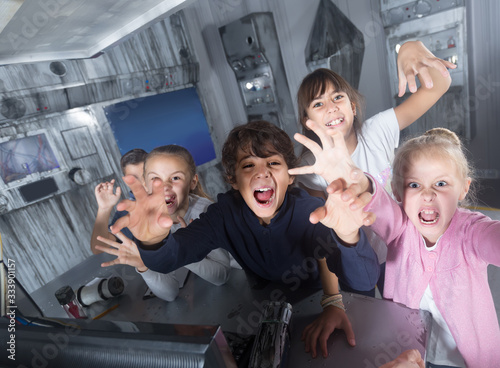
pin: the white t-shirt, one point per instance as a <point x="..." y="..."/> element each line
<point x="214" y="268"/>
<point x="441" y="348"/>
<point x="374" y="154"/>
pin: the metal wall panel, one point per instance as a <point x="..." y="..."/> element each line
<point x="484" y="86"/>
<point x="49" y="236"/>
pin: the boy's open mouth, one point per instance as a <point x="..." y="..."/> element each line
<point x="264" y="196"/>
<point x="428" y="217"/>
<point x="170" y="200"/>
<point x="335" y="122"/>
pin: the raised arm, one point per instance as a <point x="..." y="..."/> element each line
<point x="106" y="200"/>
<point x="332" y="157"/>
<point x="334" y="163"/>
<point x="345" y="216"/>
<point x="415" y="60"/>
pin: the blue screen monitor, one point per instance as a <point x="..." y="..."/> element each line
<point x="169" y="118"/>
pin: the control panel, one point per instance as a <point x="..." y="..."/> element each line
<point x="253" y="53"/>
<point x="399" y="11"/>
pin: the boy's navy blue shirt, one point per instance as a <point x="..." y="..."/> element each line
<point x="283" y="251"/>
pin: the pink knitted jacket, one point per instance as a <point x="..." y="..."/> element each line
<point x="456" y="272"/>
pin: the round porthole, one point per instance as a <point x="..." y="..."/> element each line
<point x="249" y="40"/>
<point x="80" y="176"/>
<point x="58" y="68"/>
<point x="13" y="108"/>
<point x="184" y="53"/>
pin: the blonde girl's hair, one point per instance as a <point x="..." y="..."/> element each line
<point x="438" y="142"/>
<point x="315" y="84"/>
<point x="179" y="151"/>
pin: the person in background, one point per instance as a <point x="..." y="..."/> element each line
<point x="329" y="100"/>
<point x="185" y="200"/>
<point x="131" y="163"/>
<point x="438" y="252"/>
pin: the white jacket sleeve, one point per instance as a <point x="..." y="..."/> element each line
<point x="164" y="285"/>
<point x="215" y="268"/>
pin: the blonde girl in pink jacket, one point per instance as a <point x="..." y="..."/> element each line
<point x="438" y="252"/>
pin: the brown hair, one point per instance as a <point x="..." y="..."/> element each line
<point x="133" y="157"/>
<point x="315" y="84"/>
<point x="179" y="151"/>
<point x="260" y="138"/>
<point x="438" y="142"/>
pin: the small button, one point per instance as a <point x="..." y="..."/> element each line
<point x="432" y="255"/>
<point x="429" y="269"/>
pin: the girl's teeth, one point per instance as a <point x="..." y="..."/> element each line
<point x="428" y="222"/>
<point x="335" y="122"/>
<point x="429" y="214"/>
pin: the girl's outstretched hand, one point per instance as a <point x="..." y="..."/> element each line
<point x="125" y="252"/>
<point x="332" y="159"/>
<point x="147" y="216"/>
<point x="415" y="59"/>
<point x="343" y="210"/>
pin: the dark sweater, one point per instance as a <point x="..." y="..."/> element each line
<point x="283" y="251"/>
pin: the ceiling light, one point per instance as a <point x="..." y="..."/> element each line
<point x="7" y="10"/>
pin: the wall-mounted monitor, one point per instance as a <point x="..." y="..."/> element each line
<point x="169" y="118"/>
<point x="25" y="156"/>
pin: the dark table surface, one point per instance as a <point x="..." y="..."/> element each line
<point x="383" y="329"/>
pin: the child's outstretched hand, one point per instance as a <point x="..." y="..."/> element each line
<point x="343" y="210"/>
<point x="104" y="195"/>
<point x="415" y="59"/>
<point x="147" y="216"/>
<point x="332" y="160"/>
<point x="125" y="252"/>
